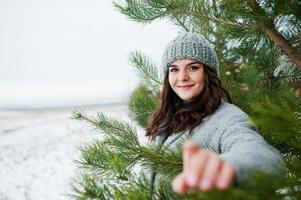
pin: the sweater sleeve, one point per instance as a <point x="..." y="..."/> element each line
<point x="247" y="151"/>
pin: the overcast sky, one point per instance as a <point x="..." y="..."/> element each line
<point x="71" y="51"/>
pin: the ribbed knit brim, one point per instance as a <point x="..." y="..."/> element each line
<point x="190" y="45"/>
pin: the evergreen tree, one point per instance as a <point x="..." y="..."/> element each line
<point x="259" y="49"/>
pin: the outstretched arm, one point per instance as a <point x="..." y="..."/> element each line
<point x="242" y="151"/>
<point x="247" y="151"/>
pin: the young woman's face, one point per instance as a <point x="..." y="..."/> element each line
<point x="186" y="78"/>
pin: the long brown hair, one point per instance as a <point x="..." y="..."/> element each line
<point x="174" y="116"/>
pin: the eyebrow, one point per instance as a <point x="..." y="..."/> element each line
<point x="191" y="63"/>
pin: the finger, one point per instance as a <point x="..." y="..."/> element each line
<point x="195" y="168"/>
<point x="189" y="148"/>
<point x="178" y="184"/>
<point x="226" y="176"/>
<point x="211" y="172"/>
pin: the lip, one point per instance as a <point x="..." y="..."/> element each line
<point x="185" y="87"/>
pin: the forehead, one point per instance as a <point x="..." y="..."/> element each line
<point x="184" y="62"/>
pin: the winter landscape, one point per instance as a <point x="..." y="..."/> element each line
<point x="38" y="148"/>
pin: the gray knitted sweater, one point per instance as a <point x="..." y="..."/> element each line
<point x="230" y="134"/>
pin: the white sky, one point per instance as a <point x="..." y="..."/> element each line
<point x="71" y="51"/>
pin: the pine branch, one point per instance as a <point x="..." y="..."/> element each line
<point x="140" y="11"/>
<point x="90" y="188"/>
<point x="112" y="127"/>
<point x="283" y="44"/>
<point x="294" y="77"/>
<point x="280" y="122"/>
<point x="182" y="23"/>
<point x="142" y="104"/>
<point x="138" y="189"/>
<point x="287" y="70"/>
<point x="145" y="12"/>
<point x="221" y="20"/>
<point x="277" y="38"/>
<point x="147" y="71"/>
<point x="121" y="139"/>
<point x="102" y="160"/>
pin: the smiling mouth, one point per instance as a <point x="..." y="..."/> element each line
<point x="185" y="87"/>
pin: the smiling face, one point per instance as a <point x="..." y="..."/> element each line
<point x="186" y="78"/>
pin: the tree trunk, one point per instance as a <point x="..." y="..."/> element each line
<point x="283" y="44"/>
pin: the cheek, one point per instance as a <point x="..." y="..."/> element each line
<point x="200" y="79"/>
<point x="202" y="84"/>
<point x="171" y="81"/>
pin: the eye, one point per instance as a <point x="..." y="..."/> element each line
<point x="193" y="67"/>
<point x="173" y="69"/>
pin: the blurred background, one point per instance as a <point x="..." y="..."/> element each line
<point x="62" y="53"/>
<point x="56" y="56"/>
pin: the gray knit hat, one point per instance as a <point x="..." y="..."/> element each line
<point x="190" y="45"/>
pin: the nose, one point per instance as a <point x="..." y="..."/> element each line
<point x="183" y="75"/>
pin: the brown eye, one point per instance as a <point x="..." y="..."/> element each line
<point x="173" y="69"/>
<point x="194" y="67"/>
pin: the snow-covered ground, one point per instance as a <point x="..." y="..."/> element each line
<point x="38" y="149"/>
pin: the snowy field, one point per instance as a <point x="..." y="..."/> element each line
<point x="38" y="147"/>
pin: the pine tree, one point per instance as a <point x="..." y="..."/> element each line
<point x="259" y="49"/>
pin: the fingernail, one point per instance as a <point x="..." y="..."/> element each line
<point x="176" y="185"/>
<point x="192" y="180"/>
<point x="222" y="183"/>
<point x="205" y="183"/>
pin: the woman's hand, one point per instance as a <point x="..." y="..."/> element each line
<point x="202" y="169"/>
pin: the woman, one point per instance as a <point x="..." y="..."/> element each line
<point x="192" y="108"/>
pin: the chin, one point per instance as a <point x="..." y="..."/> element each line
<point x="186" y="98"/>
